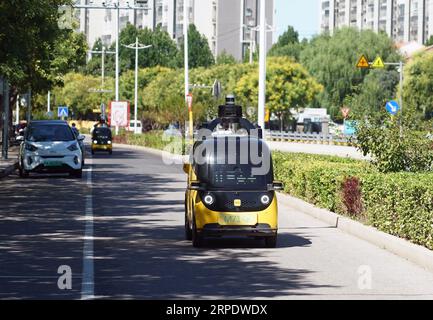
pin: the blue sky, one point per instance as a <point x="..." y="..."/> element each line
<point x="301" y="14"/>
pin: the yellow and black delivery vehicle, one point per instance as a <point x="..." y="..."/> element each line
<point x="102" y="139"/>
<point x="229" y="192"/>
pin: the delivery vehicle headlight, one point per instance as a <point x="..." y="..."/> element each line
<point x="30" y="147"/>
<point x="95" y="141"/>
<point x="209" y="199"/>
<point x="73" y="147"/>
<point x="265" y="199"/>
<point x="109" y="141"/>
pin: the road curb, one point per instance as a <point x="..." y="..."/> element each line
<point x="417" y="254"/>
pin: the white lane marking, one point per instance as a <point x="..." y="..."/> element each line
<point x="87" y="281"/>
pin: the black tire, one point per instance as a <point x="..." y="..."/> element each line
<point x="197" y="238"/>
<point x="271" y="242"/>
<point x="22" y="172"/>
<point x="93" y="152"/>
<point x="110" y="152"/>
<point x="188" y="231"/>
<point x="77" y="173"/>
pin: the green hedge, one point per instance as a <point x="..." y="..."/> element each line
<point x="400" y="204"/>
<point x="153" y="139"/>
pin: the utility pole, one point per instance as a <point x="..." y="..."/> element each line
<point x="49" y="101"/>
<point x="103" y="52"/>
<point x="136" y="46"/>
<point x="116" y="6"/>
<point x="29" y="105"/>
<point x="117" y="48"/>
<point x="17" y="111"/>
<point x="5" y="138"/>
<point x="185" y="45"/>
<point x="262" y="67"/>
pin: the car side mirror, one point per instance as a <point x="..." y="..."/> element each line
<point x="195" y="186"/>
<point x="81" y="137"/>
<point x="278" y="186"/>
<point x="186" y="167"/>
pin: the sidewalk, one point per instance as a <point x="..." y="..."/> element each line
<point x="10" y="165"/>
<point x="330" y="150"/>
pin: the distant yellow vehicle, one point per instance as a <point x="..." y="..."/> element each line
<point x="102" y="140"/>
<point x="230" y="198"/>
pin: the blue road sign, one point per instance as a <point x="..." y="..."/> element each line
<point x="392" y="107"/>
<point x="350" y="127"/>
<point x="62" y="112"/>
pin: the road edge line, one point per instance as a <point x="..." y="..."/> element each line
<point x="87" y="280"/>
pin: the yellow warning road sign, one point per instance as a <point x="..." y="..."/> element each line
<point x="363" y="63"/>
<point x="378" y="63"/>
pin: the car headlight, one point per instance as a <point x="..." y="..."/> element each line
<point x="73" y="147"/>
<point x="109" y="141"/>
<point x="31" y="147"/>
<point x="265" y="199"/>
<point x="95" y="141"/>
<point x="209" y="199"/>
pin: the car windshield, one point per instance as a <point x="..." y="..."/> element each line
<point x="48" y="133"/>
<point x="102" y="133"/>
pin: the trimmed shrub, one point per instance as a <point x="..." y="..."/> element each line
<point x="400" y="204"/>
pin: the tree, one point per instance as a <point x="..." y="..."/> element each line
<point x="370" y="97"/>
<point x="429" y="42"/>
<point x="418" y="84"/>
<point x="288" y="86"/>
<point x="75" y="93"/>
<point x="162" y="53"/>
<point x="225" y="58"/>
<point x="199" y="53"/>
<point x="332" y="60"/>
<point x="288" y="45"/>
<point x="34" y="51"/>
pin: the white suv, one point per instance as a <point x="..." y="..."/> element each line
<point x="50" y="146"/>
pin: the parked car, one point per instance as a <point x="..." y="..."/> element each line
<point x="50" y="146"/>
<point x="131" y="127"/>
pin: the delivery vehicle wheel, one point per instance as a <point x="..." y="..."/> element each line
<point x="77" y="173"/>
<point x="188" y="231"/>
<point x="197" y="239"/>
<point x="271" y="242"/>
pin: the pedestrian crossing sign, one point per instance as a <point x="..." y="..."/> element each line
<point x="378" y="63"/>
<point x="63" y="112"/>
<point x="363" y="63"/>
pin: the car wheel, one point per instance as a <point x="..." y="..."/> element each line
<point x="197" y="238"/>
<point x="77" y="173"/>
<point x="22" y="172"/>
<point x="271" y="242"/>
<point x="188" y="231"/>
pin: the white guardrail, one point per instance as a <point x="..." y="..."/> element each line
<point x="310" y="138"/>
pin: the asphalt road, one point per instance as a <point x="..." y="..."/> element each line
<point x="120" y="230"/>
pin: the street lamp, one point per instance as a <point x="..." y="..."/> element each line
<point x="115" y="6"/>
<point x="136" y="46"/>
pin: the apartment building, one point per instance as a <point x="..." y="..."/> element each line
<point x="403" y="20"/>
<point x="227" y="24"/>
